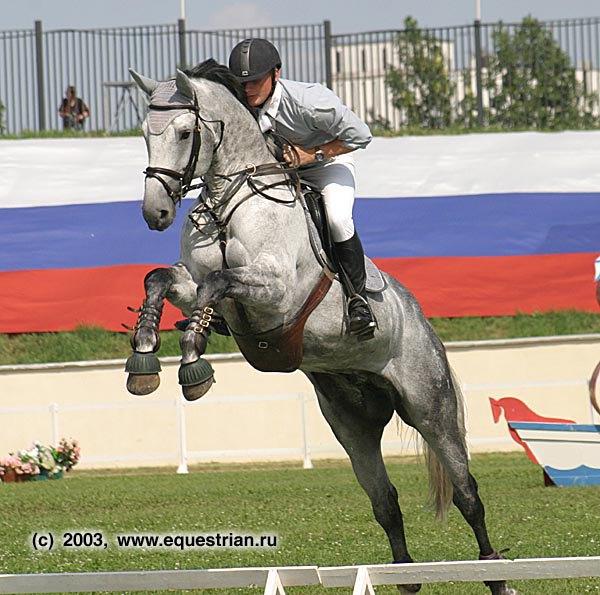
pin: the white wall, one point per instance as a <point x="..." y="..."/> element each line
<point x="249" y="415"/>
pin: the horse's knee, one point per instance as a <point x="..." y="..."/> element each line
<point x="214" y="288"/>
<point x="158" y="280"/>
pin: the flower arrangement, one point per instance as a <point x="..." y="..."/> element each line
<point x="66" y="454"/>
<point x="40" y="460"/>
<point x="47" y="461"/>
<point x="19" y="465"/>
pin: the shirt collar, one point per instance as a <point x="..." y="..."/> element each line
<point x="271" y="107"/>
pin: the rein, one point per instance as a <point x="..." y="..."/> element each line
<point x="237" y="180"/>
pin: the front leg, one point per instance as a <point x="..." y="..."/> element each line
<point x="143" y="365"/>
<point x="175" y="284"/>
<point x="258" y="285"/>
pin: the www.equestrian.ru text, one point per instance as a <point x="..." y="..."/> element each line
<point x="95" y="540"/>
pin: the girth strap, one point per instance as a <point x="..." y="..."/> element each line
<point x="281" y="349"/>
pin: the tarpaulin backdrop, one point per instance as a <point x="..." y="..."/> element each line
<point x="474" y="225"/>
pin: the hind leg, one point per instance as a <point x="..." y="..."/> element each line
<point x="453" y="456"/>
<point x="358" y="407"/>
<point x="430" y="403"/>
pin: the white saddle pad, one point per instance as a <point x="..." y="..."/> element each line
<point x="375" y="281"/>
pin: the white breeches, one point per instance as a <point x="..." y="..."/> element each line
<point x="337" y="182"/>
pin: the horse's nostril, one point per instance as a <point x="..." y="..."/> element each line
<point x="164" y="214"/>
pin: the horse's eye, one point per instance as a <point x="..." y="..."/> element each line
<point x="185" y="134"/>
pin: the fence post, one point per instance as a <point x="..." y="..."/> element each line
<point x="307" y="462"/>
<point x="182" y="434"/>
<point x="53" y="409"/>
<point x="327" y="50"/>
<point x="39" y="59"/>
<point x="182" y="52"/>
<point x="478" y="67"/>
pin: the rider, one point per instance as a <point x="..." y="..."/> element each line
<point x="323" y="132"/>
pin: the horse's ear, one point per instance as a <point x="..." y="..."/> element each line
<point x="184" y="84"/>
<point x="145" y="84"/>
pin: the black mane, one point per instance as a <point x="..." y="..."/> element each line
<point x="218" y="73"/>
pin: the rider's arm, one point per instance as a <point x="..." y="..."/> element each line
<point x="331" y="149"/>
<point x="329" y="125"/>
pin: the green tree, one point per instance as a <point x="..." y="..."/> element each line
<point x="420" y="86"/>
<point x="532" y="83"/>
<point x="467" y="108"/>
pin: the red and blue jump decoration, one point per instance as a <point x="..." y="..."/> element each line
<point x="568" y="452"/>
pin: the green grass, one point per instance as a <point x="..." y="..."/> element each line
<point x="461" y="130"/>
<point x="522" y="325"/>
<point x="411" y="131"/>
<point x="28" y="134"/>
<point x="321" y="518"/>
<point x="89" y="343"/>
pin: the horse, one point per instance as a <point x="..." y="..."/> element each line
<point x="247" y="265"/>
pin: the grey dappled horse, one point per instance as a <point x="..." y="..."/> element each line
<point x="245" y="251"/>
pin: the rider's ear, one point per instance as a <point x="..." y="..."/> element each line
<point x="145" y="84"/>
<point x="184" y="85"/>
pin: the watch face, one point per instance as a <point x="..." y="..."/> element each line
<point x="319" y="155"/>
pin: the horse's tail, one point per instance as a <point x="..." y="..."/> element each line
<point x="440" y="486"/>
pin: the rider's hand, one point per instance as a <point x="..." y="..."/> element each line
<point x="297" y="156"/>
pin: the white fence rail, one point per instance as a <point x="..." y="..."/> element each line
<point x="178" y="407"/>
<point x="178" y="403"/>
<point x="274" y="580"/>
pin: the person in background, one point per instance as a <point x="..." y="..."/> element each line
<point x="323" y="131"/>
<point x="73" y="111"/>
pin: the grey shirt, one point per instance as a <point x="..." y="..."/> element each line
<point x="310" y="115"/>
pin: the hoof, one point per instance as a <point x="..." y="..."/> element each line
<point x="142" y="384"/>
<point x="193" y="393"/>
<point x="196" y="379"/>
<point x="501" y="588"/>
<point x="143" y="371"/>
<point x="407" y="589"/>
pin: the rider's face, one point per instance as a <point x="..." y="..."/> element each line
<point x="259" y="90"/>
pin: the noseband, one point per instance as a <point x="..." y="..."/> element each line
<point x="184" y="178"/>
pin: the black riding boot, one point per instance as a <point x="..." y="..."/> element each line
<point x="352" y="260"/>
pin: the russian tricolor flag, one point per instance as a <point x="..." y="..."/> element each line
<point x="473" y="225"/>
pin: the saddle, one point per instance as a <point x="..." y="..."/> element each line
<point x="312" y="201"/>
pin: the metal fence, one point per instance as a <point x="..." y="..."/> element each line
<point x="37" y="66"/>
<point x="523" y="75"/>
<point x="444" y="77"/>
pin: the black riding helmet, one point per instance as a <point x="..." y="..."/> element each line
<point x="252" y="59"/>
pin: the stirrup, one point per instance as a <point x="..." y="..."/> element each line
<point x="363" y="325"/>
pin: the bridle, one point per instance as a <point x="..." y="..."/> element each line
<point x="236" y="179"/>
<point x="184" y="178"/>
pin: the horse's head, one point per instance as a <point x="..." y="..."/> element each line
<point x="180" y="145"/>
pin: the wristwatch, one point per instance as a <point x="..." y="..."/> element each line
<point x="319" y="155"/>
